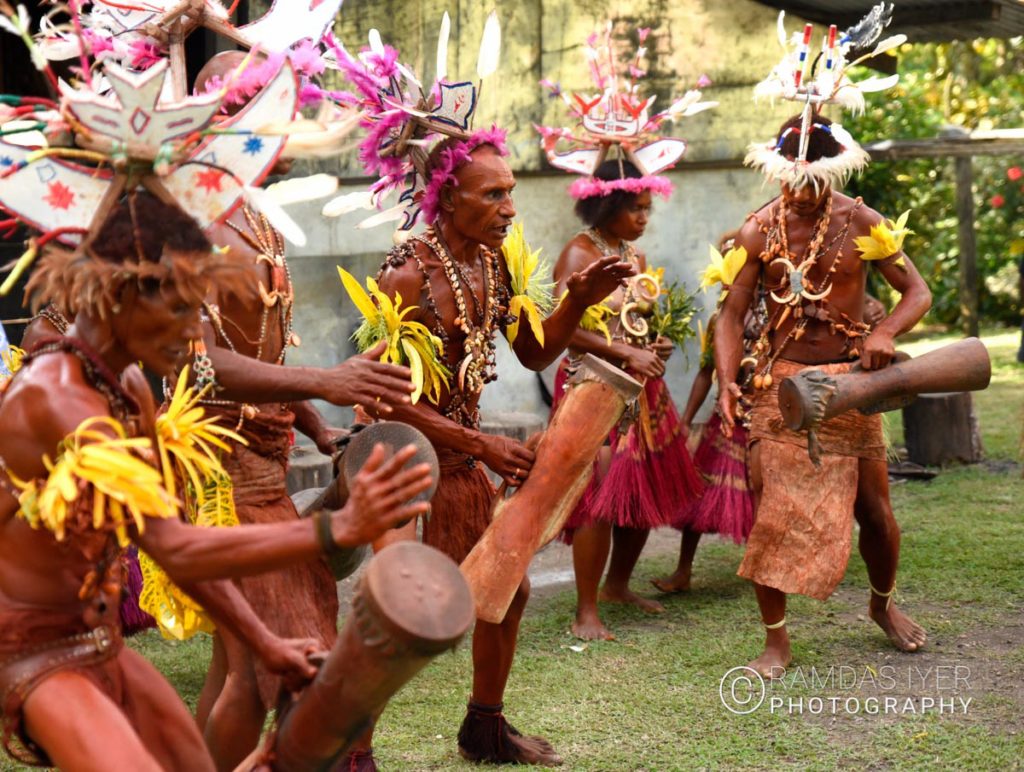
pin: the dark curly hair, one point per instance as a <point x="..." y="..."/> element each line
<point x="596" y="211"/>
<point x="141" y="226"/>
<point x="821" y="144"/>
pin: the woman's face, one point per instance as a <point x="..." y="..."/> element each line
<point x="630" y="221"/>
<point x="157" y="327"/>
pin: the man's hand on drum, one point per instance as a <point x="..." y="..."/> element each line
<point x="508" y="458"/>
<point x="379" y="497"/>
<point x="365" y="380"/>
<point x="663" y="347"/>
<point x="599" y="279"/>
<point x="643" y="362"/>
<point x="289" y="658"/>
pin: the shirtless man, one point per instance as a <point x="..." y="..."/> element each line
<point x="456" y="276"/>
<point x="60" y="567"/>
<point x="804" y="241"/>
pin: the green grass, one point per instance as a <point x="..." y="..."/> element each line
<point x="650" y="700"/>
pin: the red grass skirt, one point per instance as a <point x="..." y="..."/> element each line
<point x="727" y="505"/>
<point x="652" y="480"/>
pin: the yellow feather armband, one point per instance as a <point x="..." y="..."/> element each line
<point x="98" y="482"/>
<point x="189" y="446"/>
<point x="885" y="240"/>
<point x="595" y="319"/>
<point x="531" y="297"/>
<point x="408" y="343"/>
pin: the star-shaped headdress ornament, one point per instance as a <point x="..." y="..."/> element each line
<point x="617" y="120"/>
<point x="817" y="82"/>
<point x="64" y="165"/>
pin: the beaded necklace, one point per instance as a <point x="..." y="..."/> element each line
<point x="478" y="363"/>
<point x="800" y="297"/>
<point x="261" y="236"/>
<point x="50" y="313"/>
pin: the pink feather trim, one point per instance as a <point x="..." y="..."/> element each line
<point x="451" y="158"/>
<point x="590" y="187"/>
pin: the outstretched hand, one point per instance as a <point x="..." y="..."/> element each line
<point x="365" y="380"/>
<point x="599" y="280"/>
<point x="289" y="658"/>
<point x="379" y="497"/>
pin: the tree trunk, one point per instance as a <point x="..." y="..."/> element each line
<point x="942" y="428"/>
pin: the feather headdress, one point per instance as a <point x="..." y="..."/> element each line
<point x="797" y="78"/>
<point x="404" y="120"/>
<point x="618" y="116"/>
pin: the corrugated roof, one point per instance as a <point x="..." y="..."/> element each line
<point x="934" y="20"/>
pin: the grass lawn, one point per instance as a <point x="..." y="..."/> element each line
<point x="650" y="700"/>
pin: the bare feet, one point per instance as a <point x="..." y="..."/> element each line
<point x="679" y="581"/>
<point x="646" y="605"/>
<point x="776" y="656"/>
<point x="589" y="627"/>
<point x="904" y="632"/>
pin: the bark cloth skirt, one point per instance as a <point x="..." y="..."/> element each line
<point x="652" y="480"/>
<point x="802" y="533"/>
<point x="297" y="602"/>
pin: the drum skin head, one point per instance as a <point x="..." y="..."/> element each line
<point x="344" y="563"/>
<point x="393" y="435"/>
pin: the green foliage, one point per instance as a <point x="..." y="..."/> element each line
<point x="673" y="316"/>
<point x="978" y="85"/>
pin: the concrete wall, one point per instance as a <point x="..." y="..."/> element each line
<point x="733" y="43"/>
<point x="706" y="203"/>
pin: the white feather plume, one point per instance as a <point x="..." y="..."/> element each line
<point x="442" y="47"/>
<point x="298" y="189"/>
<point x="388" y="215"/>
<point x="349" y="202"/>
<point x="780" y="29"/>
<point x="280" y="219"/>
<point x="376" y="44"/>
<point x="490" y="47"/>
<point x="875" y="83"/>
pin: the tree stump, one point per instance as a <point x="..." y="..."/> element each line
<point x="942" y="428"/>
<point x="308" y="468"/>
<point x="518" y="426"/>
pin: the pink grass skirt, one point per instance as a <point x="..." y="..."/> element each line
<point x="652" y="480"/>
<point x="727" y="504"/>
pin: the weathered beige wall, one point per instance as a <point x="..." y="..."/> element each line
<point x="733" y="43"/>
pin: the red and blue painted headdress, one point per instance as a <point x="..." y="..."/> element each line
<point x="617" y="118"/>
<point x="797" y="79"/>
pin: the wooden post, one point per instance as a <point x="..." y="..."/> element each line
<point x="966" y="236"/>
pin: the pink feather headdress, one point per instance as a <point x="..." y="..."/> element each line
<point x="403" y="121"/>
<point x="617" y="117"/>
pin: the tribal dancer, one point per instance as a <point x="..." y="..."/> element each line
<point x="726" y="506"/>
<point x="168" y="155"/>
<point x="645" y="478"/>
<point x="247" y="334"/>
<point x="455" y="282"/>
<point x="811" y="249"/>
<point x="77" y="485"/>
